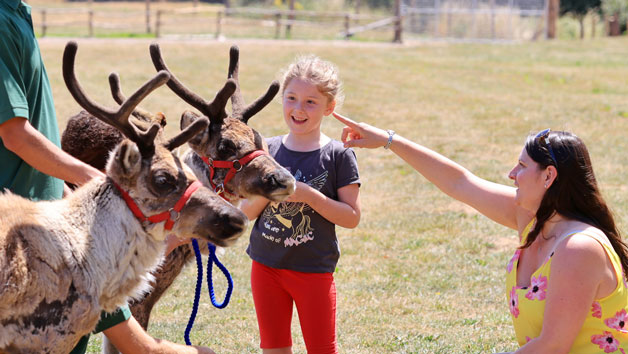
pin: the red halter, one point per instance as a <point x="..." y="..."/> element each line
<point x="233" y="166"/>
<point x="170" y="216"/>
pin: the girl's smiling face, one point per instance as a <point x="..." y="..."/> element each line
<point x="531" y="182"/>
<point x="304" y="107"/>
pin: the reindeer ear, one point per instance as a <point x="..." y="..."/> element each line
<point x="187" y="118"/>
<point x="126" y="160"/>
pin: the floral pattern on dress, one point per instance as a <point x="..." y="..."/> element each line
<point x="605" y="341"/>
<point x="538" y="287"/>
<point x="514" y="302"/>
<point x="618" y="322"/>
<point x="596" y="310"/>
<point x="514" y="258"/>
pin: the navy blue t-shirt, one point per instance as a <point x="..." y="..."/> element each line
<point x="292" y="235"/>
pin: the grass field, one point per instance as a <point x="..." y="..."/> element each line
<point x="422" y="273"/>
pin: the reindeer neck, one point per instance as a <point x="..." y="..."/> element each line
<point x="123" y="250"/>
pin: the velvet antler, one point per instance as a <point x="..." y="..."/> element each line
<point x="240" y="110"/>
<point x="186" y="134"/>
<point x="215" y="109"/>
<point x="117" y="118"/>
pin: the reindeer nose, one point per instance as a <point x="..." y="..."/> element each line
<point x="272" y="181"/>
<point x="231" y="221"/>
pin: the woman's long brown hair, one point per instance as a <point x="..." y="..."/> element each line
<point x="574" y="193"/>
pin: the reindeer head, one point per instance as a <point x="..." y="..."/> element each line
<point x="144" y="168"/>
<point x="229" y="138"/>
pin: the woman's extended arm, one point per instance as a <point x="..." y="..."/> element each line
<point x="494" y="200"/>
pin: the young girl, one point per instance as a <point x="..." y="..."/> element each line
<point x="293" y="244"/>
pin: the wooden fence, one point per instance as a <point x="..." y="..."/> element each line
<point x="214" y="22"/>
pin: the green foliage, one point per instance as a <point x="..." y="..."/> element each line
<point x="578" y="8"/>
<point x="616" y="7"/>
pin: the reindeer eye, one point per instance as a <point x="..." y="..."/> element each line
<point x="226" y="149"/>
<point x="164" y="182"/>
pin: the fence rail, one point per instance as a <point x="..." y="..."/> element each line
<point x="492" y="19"/>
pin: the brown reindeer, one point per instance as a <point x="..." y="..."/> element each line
<point x="225" y="139"/>
<point x="262" y="176"/>
<point x="63" y="262"/>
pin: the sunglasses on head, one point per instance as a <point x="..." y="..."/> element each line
<point x="543" y="137"/>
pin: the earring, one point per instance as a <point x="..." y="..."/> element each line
<point x="545" y="185"/>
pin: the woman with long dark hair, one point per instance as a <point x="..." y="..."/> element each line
<point x="565" y="283"/>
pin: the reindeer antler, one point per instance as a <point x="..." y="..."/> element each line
<point x="240" y="110"/>
<point x="215" y="109"/>
<point x="186" y="134"/>
<point x="119" y="118"/>
<point x="118" y="96"/>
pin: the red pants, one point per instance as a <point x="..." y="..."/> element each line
<point x="275" y="290"/>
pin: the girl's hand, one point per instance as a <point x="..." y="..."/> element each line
<point x="302" y="193"/>
<point x="361" y="135"/>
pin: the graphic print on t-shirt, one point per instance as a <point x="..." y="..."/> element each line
<point x="293" y="216"/>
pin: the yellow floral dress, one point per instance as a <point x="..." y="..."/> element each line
<point x="605" y="329"/>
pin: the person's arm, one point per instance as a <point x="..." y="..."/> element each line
<point x="494" y="200"/>
<point x="253" y="207"/>
<point x="130" y="338"/>
<point x="20" y="137"/>
<point x="578" y="265"/>
<point x="343" y="212"/>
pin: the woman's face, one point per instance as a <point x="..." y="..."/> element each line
<point x="531" y="182"/>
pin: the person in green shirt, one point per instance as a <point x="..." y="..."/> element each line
<point x="33" y="165"/>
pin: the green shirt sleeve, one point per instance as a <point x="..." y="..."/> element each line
<point x="107" y="320"/>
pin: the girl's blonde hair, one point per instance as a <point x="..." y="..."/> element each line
<point x="318" y="72"/>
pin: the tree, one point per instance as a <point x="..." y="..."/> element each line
<point x="616" y="13"/>
<point x="578" y="9"/>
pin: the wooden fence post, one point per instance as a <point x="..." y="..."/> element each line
<point x="43" y="23"/>
<point x="278" y="26"/>
<point x="148" y="16"/>
<point x="218" y="23"/>
<point x="398" y="24"/>
<point x="158" y="24"/>
<point x="90" y="23"/>
<point x="552" y="18"/>
<point x="290" y="18"/>
<point x="347" y="25"/>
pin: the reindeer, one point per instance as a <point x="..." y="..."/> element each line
<point x="226" y="138"/>
<point x="63" y="262"/>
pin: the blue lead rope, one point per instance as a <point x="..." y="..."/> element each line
<point x="210" y="285"/>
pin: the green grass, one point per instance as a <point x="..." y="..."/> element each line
<point x="422" y="273"/>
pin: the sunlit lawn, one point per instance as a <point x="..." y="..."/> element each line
<point x="422" y="273"/>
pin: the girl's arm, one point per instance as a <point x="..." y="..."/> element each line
<point x="578" y="266"/>
<point x="253" y="207"/>
<point x="343" y="212"/>
<point x="494" y="200"/>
